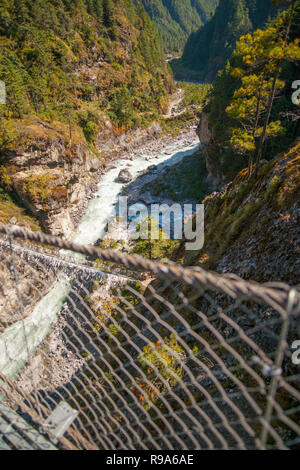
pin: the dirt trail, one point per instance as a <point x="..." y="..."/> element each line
<point x="174" y="103"/>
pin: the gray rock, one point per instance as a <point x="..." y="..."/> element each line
<point x="125" y="176"/>
<point x="155" y="130"/>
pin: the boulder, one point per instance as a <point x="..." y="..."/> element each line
<point x="125" y="176"/>
<point x="155" y="129"/>
<point x="152" y="168"/>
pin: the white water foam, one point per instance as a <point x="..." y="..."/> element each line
<point x="27" y="335"/>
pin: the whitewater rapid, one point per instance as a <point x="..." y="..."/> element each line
<point x="21" y="339"/>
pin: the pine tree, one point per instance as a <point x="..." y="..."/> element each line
<point x="283" y="50"/>
<point x="249" y="102"/>
<point x="260" y="57"/>
<point x="108" y="14"/>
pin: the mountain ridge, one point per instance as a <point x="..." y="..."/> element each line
<point x="176" y="19"/>
<point x="208" y="49"/>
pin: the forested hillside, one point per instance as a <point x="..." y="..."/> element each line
<point x="75" y="59"/>
<point x="176" y="19"/>
<point x="208" y="49"/>
<point x="77" y="73"/>
<point x="250" y="130"/>
<point x="251" y="114"/>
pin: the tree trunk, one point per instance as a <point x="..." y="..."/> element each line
<point x="267" y="120"/>
<point x="70" y="131"/>
<point x="252" y="154"/>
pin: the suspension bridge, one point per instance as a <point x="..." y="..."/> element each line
<point x="187" y="359"/>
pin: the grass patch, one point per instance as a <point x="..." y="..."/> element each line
<point x="9" y="209"/>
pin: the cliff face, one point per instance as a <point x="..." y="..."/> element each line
<point x="205" y="134"/>
<point x="50" y="177"/>
<point x="204" y="129"/>
<point x="252" y="226"/>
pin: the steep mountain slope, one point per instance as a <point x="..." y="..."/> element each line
<point x="252" y="223"/>
<point x="78" y="74"/>
<point x="208" y="49"/>
<point x="176" y="19"/>
<point x="223" y="158"/>
<point x="62" y="54"/>
<point x="252" y="226"/>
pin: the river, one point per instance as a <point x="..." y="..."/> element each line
<point x="24" y="337"/>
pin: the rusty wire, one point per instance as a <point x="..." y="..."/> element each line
<point x="152" y="355"/>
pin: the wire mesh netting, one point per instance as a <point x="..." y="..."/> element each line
<point x="152" y="356"/>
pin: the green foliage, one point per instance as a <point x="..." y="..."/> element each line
<point x="176" y="19"/>
<point x="3" y="195"/>
<point x="165" y="357"/>
<point x="9" y="209"/>
<point x="264" y="64"/>
<point x="38" y="186"/>
<point x="261" y="55"/>
<point x="8" y="135"/>
<point x="183" y="182"/>
<point x="44" y="54"/>
<point x="208" y="49"/>
<point x="5" y="178"/>
<point x="108" y="17"/>
<point x="90" y="131"/>
<point x="195" y="94"/>
<point x="121" y="108"/>
<point x="162" y="365"/>
<point x="153" y="243"/>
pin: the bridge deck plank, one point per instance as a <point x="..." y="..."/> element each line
<point x="3" y="445"/>
<point x="20" y="433"/>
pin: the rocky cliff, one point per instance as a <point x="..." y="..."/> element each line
<point x="205" y="134"/>
<point x="50" y="177"/>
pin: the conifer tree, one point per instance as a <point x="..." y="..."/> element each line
<point x="283" y="50"/>
<point x="261" y="56"/>
<point x="249" y="102"/>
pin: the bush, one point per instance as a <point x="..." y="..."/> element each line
<point x="159" y="361"/>
<point x="90" y="131"/>
<point x="158" y="248"/>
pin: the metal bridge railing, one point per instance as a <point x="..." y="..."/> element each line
<point x="149" y="355"/>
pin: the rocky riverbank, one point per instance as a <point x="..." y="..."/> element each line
<point x="52" y="178"/>
<point x="147" y="145"/>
